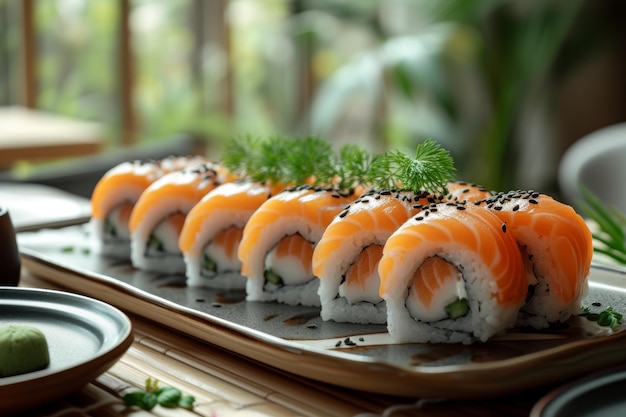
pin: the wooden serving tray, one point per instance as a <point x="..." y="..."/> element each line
<point x="295" y="339"/>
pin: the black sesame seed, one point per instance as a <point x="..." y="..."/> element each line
<point x="504" y="227"/>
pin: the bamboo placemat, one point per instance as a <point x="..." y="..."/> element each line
<point x="225" y="384"/>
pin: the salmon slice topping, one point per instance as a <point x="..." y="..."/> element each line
<point x="436" y="287"/>
<point x="164" y="238"/>
<point x="362" y="280"/>
<point x="220" y="254"/>
<point x="289" y="262"/>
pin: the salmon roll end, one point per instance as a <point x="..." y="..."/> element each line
<point x="475" y="284"/>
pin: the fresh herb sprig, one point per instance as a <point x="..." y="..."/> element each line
<point x="153" y="394"/>
<point x="606" y="318"/>
<point x="430" y="170"/>
<point x="354" y="166"/>
<point x="238" y="153"/>
<point x="610" y="238"/>
<point x="312" y="160"/>
<point x="280" y="159"/>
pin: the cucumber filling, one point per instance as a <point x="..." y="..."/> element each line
<point x="458" y="308"/>
<point x="273" y="278"/>
<point x="154" y="244"/>
<point x="109" y="228"/>
<point x="209" y="265"/>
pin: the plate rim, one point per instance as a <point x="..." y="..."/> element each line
<point x="569" y="391"/>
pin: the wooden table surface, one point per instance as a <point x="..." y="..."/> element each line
<point x="27" y="134"/>
<point x="225" y="384"/>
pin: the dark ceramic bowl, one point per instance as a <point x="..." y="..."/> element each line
<point x="10" y="265"/>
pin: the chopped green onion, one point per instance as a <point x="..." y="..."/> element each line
<point x="607" y="318"/>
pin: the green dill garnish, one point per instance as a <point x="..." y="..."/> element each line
<point x="312" y="160"/>
<point x="153" y="394"/>
<point x="268" y="164"/>
<point x="607" y="318"/>
<point x="430" y="170"/>
<point x="310" y="157"/>
<point x="354" y="166"/>
<point x="610" y="237"/>
<point x="238" y="153"/>
<point x="67" y="249"/>
<point x="279" y="159"/>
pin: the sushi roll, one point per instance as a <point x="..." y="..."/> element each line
<point x="158" y="216"/>
<point x="276" y="248"/>
<point x="213" y="229"/>
<point x="451" y="274"/>
<point x="115" y="195"/>
<point x="557" y="248"/>
<point x="346" y="257"/>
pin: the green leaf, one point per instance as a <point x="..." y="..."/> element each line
<point x="153" y="394"/>
<point x="186" y="401"/>
<point x="134" y="398"/>
<point x="148" y="401"/>
<point x="610" y="238"/>
<point x="168" y="397"/>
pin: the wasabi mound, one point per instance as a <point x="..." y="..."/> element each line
<point x="22" y="349"/>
